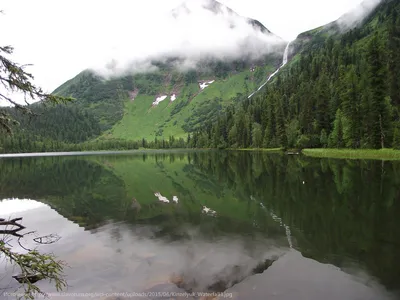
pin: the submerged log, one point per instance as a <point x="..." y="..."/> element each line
<point x="24" y="278"/>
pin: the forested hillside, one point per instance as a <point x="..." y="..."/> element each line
<point x="341" y="90"/>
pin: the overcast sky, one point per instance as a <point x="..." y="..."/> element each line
<point x="61" y="38"/>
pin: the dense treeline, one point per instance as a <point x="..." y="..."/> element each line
<point x="62" y="123"/>
<point x="28" y="143"/>
<point x="343" y="93"/>
<point x="102" y="99"/>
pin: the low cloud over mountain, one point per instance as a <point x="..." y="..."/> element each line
<point x="196" y="29"/>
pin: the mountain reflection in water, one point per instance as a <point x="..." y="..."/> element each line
<point x="271" y="237"/>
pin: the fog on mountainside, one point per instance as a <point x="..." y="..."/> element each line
<point x="193" y="31"/>
<point x="357" y="15"/>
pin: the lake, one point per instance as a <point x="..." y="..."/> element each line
<point x="240" y="225"/>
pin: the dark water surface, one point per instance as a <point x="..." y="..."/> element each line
<point x="250" y="225"/>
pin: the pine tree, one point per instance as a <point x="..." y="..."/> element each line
<point x="336" y="139"/>
<point x="379" y="115"/>
<point x="350" y="106"/>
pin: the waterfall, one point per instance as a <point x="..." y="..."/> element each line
<point x="286" y="55"/>
<point x="284" y="62"/>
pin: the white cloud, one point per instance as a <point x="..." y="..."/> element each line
<point x="193" y="31"/>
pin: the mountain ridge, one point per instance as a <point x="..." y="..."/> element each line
<point x="216" y="8"/>
<point x="172" y="95"/>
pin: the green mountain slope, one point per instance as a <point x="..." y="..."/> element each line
<point x="314" y="38"/>
<point x="342" y="90"/>
<point x="125" y="105"/>
<point x="191" y="108"/>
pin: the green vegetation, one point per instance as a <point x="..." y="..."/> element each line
<point x="17" y="144"/>
<point x="191" y="109"/>
<point x="61" y="123"/>
<point x="383" y="154"/>
<point x="103" y="100"/>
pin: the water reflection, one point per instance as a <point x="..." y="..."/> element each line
<point x="122" y="257"/>
<point x="271" y="212"/>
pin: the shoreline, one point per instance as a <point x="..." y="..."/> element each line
<point x="370" y="154"/>
<point x="97" y="152"/>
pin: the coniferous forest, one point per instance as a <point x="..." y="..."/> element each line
<point x="344" y="93"/>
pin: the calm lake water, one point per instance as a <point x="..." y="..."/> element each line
<point x="250" y="225"/>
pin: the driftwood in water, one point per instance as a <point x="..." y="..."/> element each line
<point x="13" y="222"/>
<point x="25" y="278"/>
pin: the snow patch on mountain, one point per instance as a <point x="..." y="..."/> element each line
<point x="205" y="84"/>
<point x="208" y="211"/>
<point x="159" y="100"/>
<point x="161" y="198"/>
